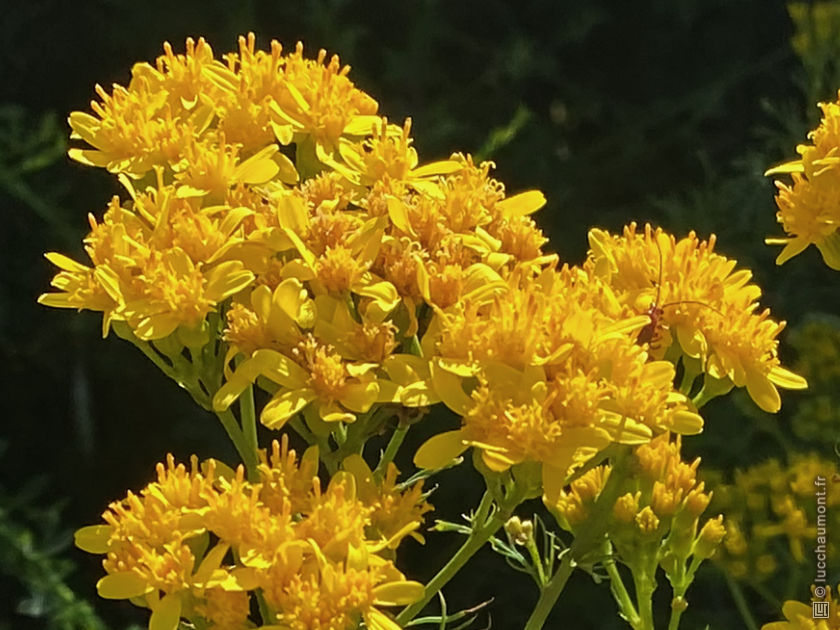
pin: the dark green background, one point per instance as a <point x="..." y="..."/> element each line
<point x="651" y="110"/>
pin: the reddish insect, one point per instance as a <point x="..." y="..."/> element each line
<point x="650" y="333"/>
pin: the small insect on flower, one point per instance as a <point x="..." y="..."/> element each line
<point x="651" y="332"/>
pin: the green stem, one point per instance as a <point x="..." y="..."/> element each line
<point x="536" y="559"/>
<point x="644" y="599"/>
<point x="589" y="536"/>
<point x="394" y="444"/>
<point x="483" y="529"/>
<point x="248" y="413"/>
<point x="619" y="591"/>
<point x="676" y="613"/>
<point x="740" y="602"/>
<point x="551" y="592"/>
<point x="248" y="456"/>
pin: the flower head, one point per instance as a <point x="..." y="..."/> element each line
<point x="313" y="553"/>
<point x="699" y="304"/>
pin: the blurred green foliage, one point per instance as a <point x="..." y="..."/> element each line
<point x="648" y="111"/>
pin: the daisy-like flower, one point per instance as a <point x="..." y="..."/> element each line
<point x="149" y="122"/>
<point x="699" y="304"/>
<point x="159" y="264"/>
<point x="314" y="554"/>
<point x="808" y="208"/>
<point x="541" y="373"/>
<point x="276" y="333"/>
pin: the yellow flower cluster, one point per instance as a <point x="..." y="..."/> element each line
<point x="204" y="543"/>
<point x="800" y="616"/>
<point x="771" y="516"/>
<point x="701" y="309"/>
<point x="663" y="501"/>
<point x="268" y="178"/>
<point x="553" y="377"/>
<point x="808" y="207"/>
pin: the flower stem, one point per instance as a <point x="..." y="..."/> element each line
<point x="740" y="602"/>
<point x="391" y="449"/>
<point x="619" y="591"/>
<point x="551" y="592"/>
<point x="248" y="455"/>
<point x="589" y="536"/>
<point x="248" y="414"/>
<point x="644" y="599"/>
<point x="487" y="524"/>
<point x="674" y="621"/>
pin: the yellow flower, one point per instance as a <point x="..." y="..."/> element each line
<point x="318" y="100"/>
<point x="306" y="367"/>
<point x="159" y="264"/>
<point x="541" y="373"/>
<point x="807" y="214"/>
<point x="338" y="596"/>
<point x="808" y="209"/>
<point x="312" y="554"/>
<point x="225" y="610"/>
<point x="387" y="158"/>
<point x="394" y="514"/>
<point x="707" y="307"/>
<point x="799" y="616"/>
<point x="149" y="122"/>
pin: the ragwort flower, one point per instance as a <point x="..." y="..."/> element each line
<point x="314" y="554"/>
<point x="696" y="298"/>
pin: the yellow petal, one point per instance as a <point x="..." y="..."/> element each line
<point x="94" y="538"/>
<point x="211" y="562"/>
<point x="686" y="422"/>
<point x="292" y="213"/>
<point x="362" y="125"/>
<point x="283" y="133"/>
<point x="280" y="408"/>
<point x="443" y="167"/>
<point x="625" y="430"/>
<point x="496" y="461"/>
<point x="378" y="620"/>
<point x="795" y="166"/>
<point x="439" y="450"/>
<point x="121" y="586"/>
<point x="67" y="264"/>
<point x="157" y="326"/>
<point x="406" y="368"/>
<point x="830" y="249"/>
<point x="787" y="379"/>
<point x="259" y="168"/>
<point x="399" y="215"/>
<point x="763" y="392"/>
<point x="448" y="387"/>
<point x="359" y="397"/>
<point x="226" y="279"/>
<point x="398" y="593"/>
<point x="419" y="394"/>
<point x="167" y="613"/>
<point x="793" y="609"/>
<point x="287" y="172"/>
<point x="553" y="480"/>
<point x="793" y="247"/>
<point x="522" y="204"/>
<point x="279" y="368"/>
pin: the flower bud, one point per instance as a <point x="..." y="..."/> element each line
<point x="709" y="538"/>
<point x="520" y="531"/>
